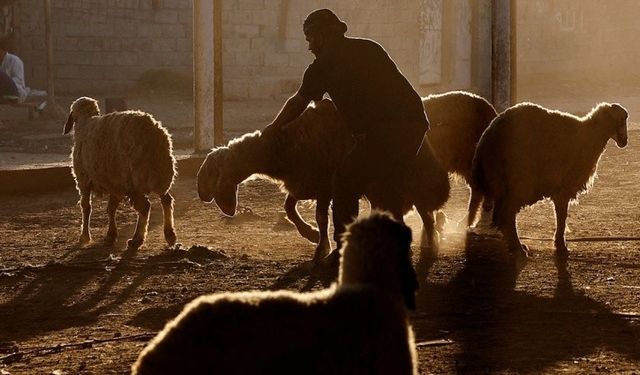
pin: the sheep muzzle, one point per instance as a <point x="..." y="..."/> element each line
<point x="621" y="137"/>
<point x="226" y="198"/>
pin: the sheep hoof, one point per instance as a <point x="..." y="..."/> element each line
<point x="170" y="236"/>
<point x="310" y="234"/>
<point x="429" y="253"/>
<point x="562" y="252"/>
<point x="110" y="238"/>
<point x="134" y="243"/>
<point x="522" y="253"/>
<point x="330" y="261"/>
<point x="84" y="239"/>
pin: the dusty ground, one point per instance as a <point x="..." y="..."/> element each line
<point x="65" y="309"/>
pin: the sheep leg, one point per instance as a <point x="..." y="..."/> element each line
<point x="167" y="212"/>
<point x="561" y="206"/>
<point x="429" y="236"/>
<point x="322" y="219"/>
<point x="112" y="206"/>
<point x="85" y="204"/>
<point x="474" y="203"/>
<point x="142" y="206"/>
<point x="504" y="217"/>
<point x="306" y="230"/>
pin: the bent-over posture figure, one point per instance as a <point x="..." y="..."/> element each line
<point x="384" y="112"/>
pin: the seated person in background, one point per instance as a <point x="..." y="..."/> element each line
<point x="12" y="87"/>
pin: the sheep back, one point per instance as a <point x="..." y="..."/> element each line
<point x="310" y="151"/>
<point x="335" y="331"/>
<point x="124" y="153"/>
<point x="535" y="153"/>
<point x="457" y="121"/>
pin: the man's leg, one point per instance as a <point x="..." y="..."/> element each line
<point x="395" y="153"/>
<point x="8" y="89"/>
<point x="347" y="186"/>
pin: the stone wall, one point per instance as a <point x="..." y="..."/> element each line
<point x="105" y="45"/>
<point x="578" y="40"/>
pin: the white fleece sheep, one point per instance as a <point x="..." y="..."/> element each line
<point x="358" y="326"/>
<point x="529" y="153"/>
<point x="123" y="154"/>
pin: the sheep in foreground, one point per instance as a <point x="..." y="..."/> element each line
<point x="529" y="153"/>
<point x="303" y="157"/>
<point x="358" y="326"/>
<point x="122" y="154"/>
<point x="458" y="119"/>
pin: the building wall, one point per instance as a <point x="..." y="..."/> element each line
<point x="579" y="40"/>
<point x="106" y="45"/>
<point x="102" y="45"/>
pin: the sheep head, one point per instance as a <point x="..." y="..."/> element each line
<point x="619" y="116"/>
<point x="613" y="117"/>
<point x="215" y="182"/>
<point x="377" y="252"/>
<point x="81" y="108"/>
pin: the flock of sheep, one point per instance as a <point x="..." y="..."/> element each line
<point x="359" y="325"/>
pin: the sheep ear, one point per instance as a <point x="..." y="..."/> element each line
<point x="69" y="125"/>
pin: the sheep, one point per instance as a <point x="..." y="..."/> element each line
<point x="458" y="119"/>
<point x="302" y="158"/>
<point x="529" y="153"/>
<point x="123" y="154"/>
<point x="359" y="325"/>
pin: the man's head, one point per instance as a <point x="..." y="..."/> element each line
<point x="320" y="28"/>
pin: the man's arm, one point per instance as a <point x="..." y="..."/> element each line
<point x="292" y="108"/>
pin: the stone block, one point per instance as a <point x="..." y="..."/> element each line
<point x="238" y="17"/>
<point x="258" y="44"/>
<point x="149" y="31"/>
<point x="236" y="89"/>
<point x="264" y="17"/>
<point x="247" y="31"/>
<point x="236" y="45"/>
<point x="300" y="59"/>
<point x="166" y="16"/>
<point x="250" y="58"/>
<point x="251" y="4"/>
<point x="272" y="58"/>
<point x="164" y="45"/>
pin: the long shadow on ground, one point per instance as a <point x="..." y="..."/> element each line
<point x="499" y="328"/>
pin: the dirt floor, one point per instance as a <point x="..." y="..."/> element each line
<point x="90" y="310"/>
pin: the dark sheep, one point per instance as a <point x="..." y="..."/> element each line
<point x="303" y="157"/>
<point x="357" y="326"/>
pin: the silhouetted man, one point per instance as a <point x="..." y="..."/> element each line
<point x="377" y="102"/>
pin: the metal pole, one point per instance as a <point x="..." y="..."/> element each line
<point x="501" y="54"/>
<point x="203" y="75"/>
<point x="51" y="101"/>
<point x="218" y="131"/>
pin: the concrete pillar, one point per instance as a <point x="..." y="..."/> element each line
<point x="51" y="100"/>
<point x="207" y="72"/>
<point x="503" y="53"/>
